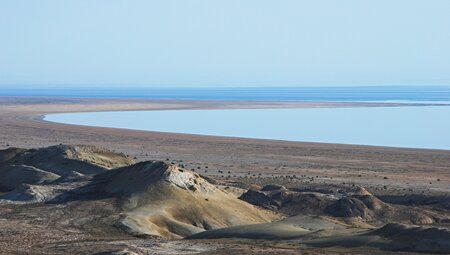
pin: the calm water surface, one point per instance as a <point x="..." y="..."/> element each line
<point x="415" y="127"/>
<point x="312" y="94"/>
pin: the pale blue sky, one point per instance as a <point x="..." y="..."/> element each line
<point x="224" y="43"/>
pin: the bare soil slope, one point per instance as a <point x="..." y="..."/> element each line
<point x="154" y="198"/>
<point x="165" y="200"/>
<point x="63" y="159"/>
<point x="64" y="195"/>
<point x="353" y="205"/>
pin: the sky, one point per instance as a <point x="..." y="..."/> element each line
<point x="223" y="43"/>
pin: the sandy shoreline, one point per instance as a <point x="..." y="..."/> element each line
<point x="21" y="125"/>
<point x="164" y="114"/>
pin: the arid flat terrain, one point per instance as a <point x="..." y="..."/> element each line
<point x="305" y="198"/>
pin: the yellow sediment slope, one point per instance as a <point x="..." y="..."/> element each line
<point x="164" y="200"/>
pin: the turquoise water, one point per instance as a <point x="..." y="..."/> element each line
<point x="415" y="127"/>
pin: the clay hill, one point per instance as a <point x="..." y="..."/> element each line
<point x="161" y="199"/>
<point x="155" y="197"/>
<point x="351" y="205"/>
<point x="63" y="159"/>
<point x="29" y="174"/>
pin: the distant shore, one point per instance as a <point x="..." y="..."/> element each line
<point x="21" y="125"/>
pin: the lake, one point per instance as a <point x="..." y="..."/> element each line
<point x="406" y="126"/>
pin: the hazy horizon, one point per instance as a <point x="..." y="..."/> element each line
<point x="230" y="86"/>
<point x="426" y="94"/>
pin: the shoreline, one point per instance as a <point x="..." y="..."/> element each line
<point x="20" y="126"/>
<point x="280" y="105"/>
<point x="31" y="115"/>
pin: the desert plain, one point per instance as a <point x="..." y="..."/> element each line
<point x="67" y="189"/>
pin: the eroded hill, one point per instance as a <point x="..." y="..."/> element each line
<point x="84" y="190"/>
